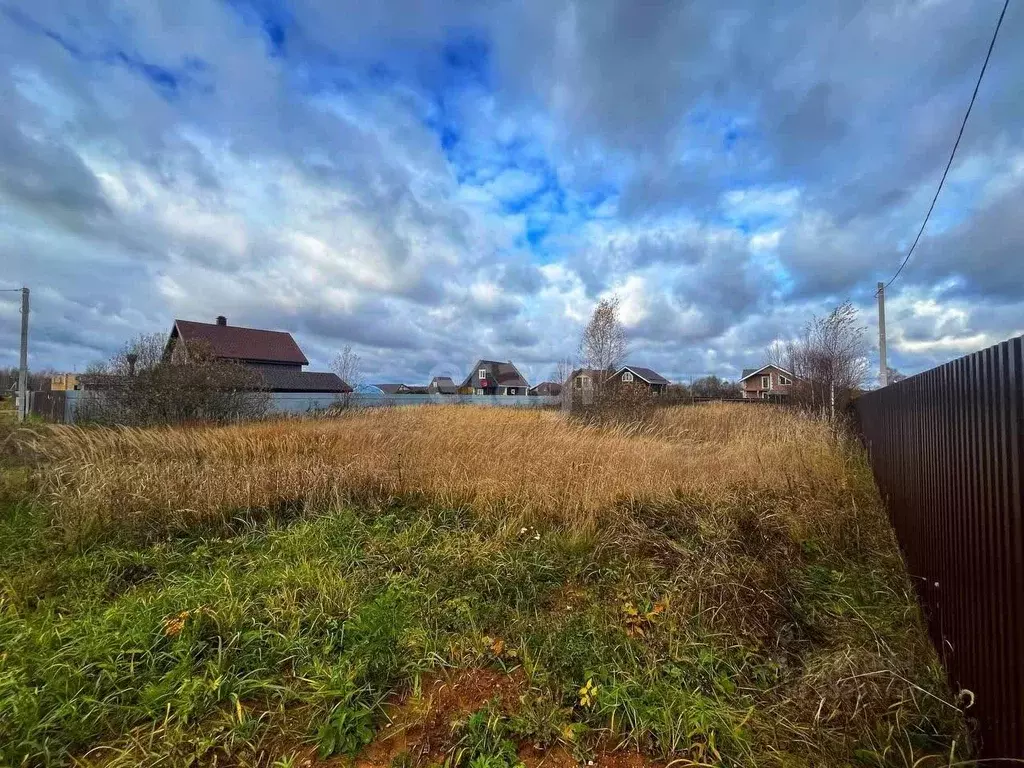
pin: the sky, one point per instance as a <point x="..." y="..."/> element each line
<point x="438" y="182"/>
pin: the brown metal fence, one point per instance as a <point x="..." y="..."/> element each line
<point x="947" y="449"/>
<point x="47" y="405"/>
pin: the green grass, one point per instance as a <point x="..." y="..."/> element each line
<point x="245" y="646"/>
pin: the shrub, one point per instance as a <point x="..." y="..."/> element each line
<point x="140" y="386"/>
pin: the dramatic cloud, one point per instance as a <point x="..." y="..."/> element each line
<point x="434" y="182"/>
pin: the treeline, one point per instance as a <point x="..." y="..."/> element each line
<point x="38" y="381"/>
<point x="707" y="386"/>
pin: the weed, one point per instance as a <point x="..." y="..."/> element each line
<point x="346" y="731"/>
<point x="483" y="741"/>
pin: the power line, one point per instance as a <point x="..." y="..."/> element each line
<point x="957" y="144"/>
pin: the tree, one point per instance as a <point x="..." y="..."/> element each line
<point x="141" y="355"/>
<point x="778" y="353"/>
<point x="603" y="346"/>
<point x="138" y="386"/>
<point x="38" y="381"/>
<point x="678" y="392"/>
<point x="892" y="375"/>
<point x="563" y="374"/>
<point x="712" y="386"/>
<point x="348" y="365"/>
<point x="830" y="359"/>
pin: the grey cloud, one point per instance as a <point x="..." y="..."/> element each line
<point x="676" y="103"/>
<point x="376" y="325"/>
<point x="985" y="252"/>
<point x="520" y="277"/>
<point x="517" y="335"/>
<point x="47" y="178"/>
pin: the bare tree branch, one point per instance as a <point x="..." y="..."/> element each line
<point x="830" y="359"/>
<point x="348" y="365"/>
<point x="603" y="346"/>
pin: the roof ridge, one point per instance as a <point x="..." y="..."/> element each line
<point x="234" y="327"/>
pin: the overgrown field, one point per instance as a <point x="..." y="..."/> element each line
<point x="471" y="586"/>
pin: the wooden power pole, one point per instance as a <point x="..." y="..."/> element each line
<point x="883" y="366"/>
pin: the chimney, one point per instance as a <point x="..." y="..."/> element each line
<point x="221" y="320"/>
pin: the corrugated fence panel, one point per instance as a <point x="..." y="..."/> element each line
<point x="947" y="450"/>
<point x="307" y="402"/>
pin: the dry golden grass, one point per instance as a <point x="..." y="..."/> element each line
<point x="519" y="464"/>
<point x="759" y="528"/>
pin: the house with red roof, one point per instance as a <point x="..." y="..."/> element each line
<point x="493" y="377"/>
<point x="273" y="353"/>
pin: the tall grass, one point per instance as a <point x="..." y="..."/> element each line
<point x="721" y="579"/>
<point x="517" y="464"/>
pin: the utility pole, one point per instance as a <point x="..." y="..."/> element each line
<point x="23" y="371"/>
<point x="883" y="366"/>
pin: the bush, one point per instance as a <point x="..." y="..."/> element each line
<point x="618" y="404"/>
<point x="138" y="387"/>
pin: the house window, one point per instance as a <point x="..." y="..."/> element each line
<point x="512" y="390"/>
<point x="482" y="373"/>
<point x="766" y="382"/>
<point x="627" y="377"/>
<point x="785" y="379"/>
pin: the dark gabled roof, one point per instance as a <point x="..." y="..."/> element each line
<point x="550" y="387"/>
<point x="498" y="374"/>
<point x="390" y="389"/>
<point x="289" y="380"/>
<point x="648" y="375"/>
<point x="444" y="385"/>
<point x="232" y="342"/>
<point x="748" y="372"/>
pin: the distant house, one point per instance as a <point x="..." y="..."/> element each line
<point x="442" y="385"/>
<point x="273" y="353"/>
<point x="394" y="389"/>
<point x="64" y="382"/>
<point x="547" y="389"/>
<point x="767" y="382"/>
<point x="491" y="377"/>
<point x="585" y="380"/>
<point x="634" y="375"/>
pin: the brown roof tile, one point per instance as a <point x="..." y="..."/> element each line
<point x="232" y="342"/>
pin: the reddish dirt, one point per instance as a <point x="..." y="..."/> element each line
<point x="558" y="757"/>
<point x="422" y="726"/>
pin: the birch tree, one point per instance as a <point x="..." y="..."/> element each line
<point x="603" y="346"/>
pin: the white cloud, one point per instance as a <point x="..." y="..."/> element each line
<point x="354" y="186"/>
<point x="760" y="201"/>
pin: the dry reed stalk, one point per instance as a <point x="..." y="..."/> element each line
<point x="513" y="463"/>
